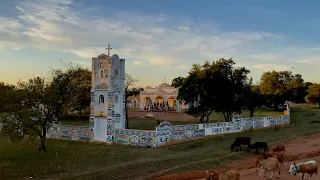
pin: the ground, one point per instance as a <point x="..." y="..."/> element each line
<point x="301" y="149"/>
<point x="137" y="120"/>
<point x="84" y="161"/>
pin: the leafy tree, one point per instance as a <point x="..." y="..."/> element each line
<point x="36" y="104"/>
<point x="253" y="98"/>
<point x="177" y="82"/>
<point x="216" y="86"/>
<point x="128" y="82"/>
<point x="5" y="89"/>
<point x="281" y="86"/>
<point x="81" y="83"/>
<point x="134" y="91"/>
<point x="313" y="94"/>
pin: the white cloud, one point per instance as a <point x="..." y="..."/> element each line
<point x="60" y="25"/>
<point x="153" y="40"/>
<point x="303" y="61"/>
<point x="86" y="64"/>
<point x="9" y="26"/>
<point x="16" y="48"/>
<point x="182" y="67"/>
<point x="267" y="56"/>
<point x="136" y="63"/>
<point x="270" y="67"/>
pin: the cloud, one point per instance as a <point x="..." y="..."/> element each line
<point x="267" y="56"/>
<point x="136" y="63"/>
<point x="9" y="26"/>
<point x="86" y="64"/>
<point x="270" y="67"/>
<point x="162" y="40"/>
<point x="303" y="61"/>
<point x="62" y="25"/>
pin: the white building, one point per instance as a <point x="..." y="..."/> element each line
<point x="107" y="109"/>
<point x="155" y="99"/>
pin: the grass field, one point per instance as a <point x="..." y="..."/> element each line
<point x="150" y="124"/>
<point x="79" y="160"/>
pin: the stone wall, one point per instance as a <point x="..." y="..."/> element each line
<point x="167" y="132"/>
<point x="79" y="133"/>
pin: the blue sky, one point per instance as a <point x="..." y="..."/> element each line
<point x="159" y="39"/>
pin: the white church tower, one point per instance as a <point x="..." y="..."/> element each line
<point x="107" y="108"/>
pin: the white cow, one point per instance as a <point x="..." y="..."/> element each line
<point x="309" y="167"/>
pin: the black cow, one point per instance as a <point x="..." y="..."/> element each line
<point x="241" y="141"/>
<point x="259" y="145"/>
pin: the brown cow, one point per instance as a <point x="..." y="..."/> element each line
<point x="278" y="155"/>
<point x="229" y="175"/>
<point x="309" y="167"/>
<point x="268" y="165"/>
<point x="278" y="148"/>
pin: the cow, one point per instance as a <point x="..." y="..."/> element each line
<point x="278" y="155"/>
<point x="309" y="167"/>
<point x="241" y="141"/>
<point x="229" y="175"/>
<point x="268" y="165"/>
<point x="278" y="148"/>
<point x="259" y="145"/>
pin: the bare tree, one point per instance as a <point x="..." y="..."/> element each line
<point x="128" y="82"/>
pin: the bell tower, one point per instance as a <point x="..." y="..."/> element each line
<point x="107" y="97"/>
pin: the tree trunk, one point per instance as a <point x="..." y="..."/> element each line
<point x="251" y="111"/>
<point x="225" y="116"/>
<point x="201" y="118"/>
<point x="42" y="147"/>
<point x="229" y="116"/>
<point x="43" y="136"/>
<point x="276" y="106"/>
<point x="208" y="116"/>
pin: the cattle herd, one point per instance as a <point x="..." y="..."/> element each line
<point x="271" y="162"/>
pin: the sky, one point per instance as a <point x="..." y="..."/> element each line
<point x="160" y="40"/>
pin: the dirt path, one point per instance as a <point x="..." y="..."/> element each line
<point x="301" y="149"/>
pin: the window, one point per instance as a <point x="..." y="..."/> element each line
<point x="101" y="74"/>
<point x="101" y="99"/>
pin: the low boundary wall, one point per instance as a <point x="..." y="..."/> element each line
<point x="166" y="131"/>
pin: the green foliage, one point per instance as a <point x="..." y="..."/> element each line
<point x="252" y="98"/>
<point x="81" y="84"/>
<point x="177" y="82"/>
<point x="216" y="86"/>
<point x="31" y="107"/>
<point x="313" y="94"/>
<point x="281" y="86"/>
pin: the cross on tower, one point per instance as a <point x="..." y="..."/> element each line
<point x="109" y="48"/>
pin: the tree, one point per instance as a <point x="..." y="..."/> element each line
<point x="281" y="86"/>
<point x="128" y="82"/>
<point x="216" y="86"/>
<point x="5" y="89"/>
<point x="35" y="105"/>
<point x="81" y="83"/>
<point x="177" y="82"/>
<point x="253" y="98"/>
<point x="313" y="94"/>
